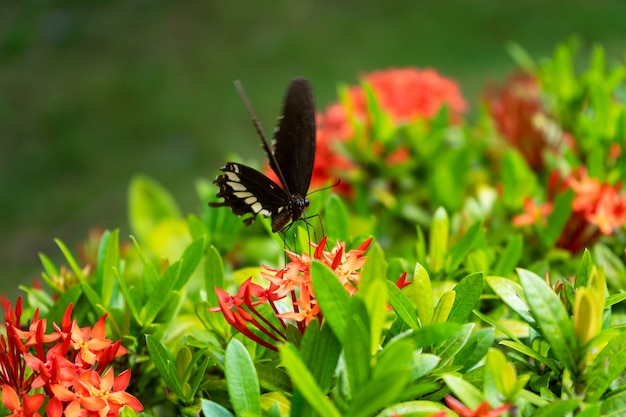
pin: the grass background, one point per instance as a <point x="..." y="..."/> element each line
<point x="93" y="92"/>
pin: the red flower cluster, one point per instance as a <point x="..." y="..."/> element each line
<point x="597" y="209"/>
<point x="71" y="366"/>
<point x="293" y="282"/>
<point x="522" y="121"/>
<point x="406" y="94"/>
<point x="409" y="93"/>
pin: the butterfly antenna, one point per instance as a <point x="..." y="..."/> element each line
<point x="326" y="188"/>
<point x="259" y="129"/>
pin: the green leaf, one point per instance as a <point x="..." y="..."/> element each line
<point x="552" y="321"/>
<point x="149" y="203"/>
<point x="213" y="275"/>
<point x="458" y="252"/>
<point x="413" y="409"/>
<point x="435" y="334"/>
<point x="521" y="57"/>
<point x="467" y="393"/>
<point x="584" y="270"/>
<point x="357" y="350"/>
<point x="373" y="291"/>
<point x="476" y="348"/>
<point x="558" y="408"/>
<point x="510" y="256"/>
<point x="320" y="351"/>
<point x="439" y="230"/>
<point x="606" y="367"/>
<point x="336" y="222"/>
<point x="528" y="351"/>
<point x="190" y="260"/>
<point x="402" y="306"/>
<point x="452" y="346"/>
<point x="557" y="218"/>
<point x="108" y="263"/>
<point x="211" y="409"/>
<point x="518" y="179"/>
<point x="614" y="405"/>
<point x="512" y="294"/>
<point x="422" y="292"/>
<point x="241" y="379"/>
<point x="332" y="298"/>
<point x="164" y="363"/>
<point x="468" y="292"/>
<point x="160" y="295"/>
<point x="305" y="383"/>
<point x="444" y="306"/>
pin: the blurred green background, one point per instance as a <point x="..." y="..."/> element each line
<point x="93" y="92"/>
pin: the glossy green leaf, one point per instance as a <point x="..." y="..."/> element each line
<point x="606" y="366"/>
<point x="468" y="292"/>
<point x="332" y="298"/>
<point x="584" y="270"/>
<point x="213" y="275"/>
<point x="373" y="291"/>
<point x="242" y="382"/>
<point x="444" y="306"/>
<point x="357" y="350"/>
<point x="614" y="405"/>
<point x="452" y="346"/>
<point x="552" y="321"/>
<point x="528" y="351"/>
<point x="160" y="295"/>
<point x="512" y="294"/>
<point x="164" y="363"/>
<point x="402" y="306"/>
<point x="108" y="263"/>
<point x="435" y="334"/>
<point x="320" y="351"/>
<point x="438" y="247"/>
<point x="212" y="409"/>
<point x="422" y="292"/>
<point x="476" y="348"/>
<point x="464" y="391"/>
<point x="305" y="382"/>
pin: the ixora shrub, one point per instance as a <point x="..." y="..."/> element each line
<point x="463" y="269"/>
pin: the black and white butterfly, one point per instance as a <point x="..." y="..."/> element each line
<point x="246" y="190"/>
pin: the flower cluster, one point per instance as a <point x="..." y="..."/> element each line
<point x="597" y="209"/>
<point x="68" y="369"/>
<point x="291" y="283"/>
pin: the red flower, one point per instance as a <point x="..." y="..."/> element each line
<point x="410" y="93"/>
<point x="521" y="119"/>
<point x="483" y="409"/>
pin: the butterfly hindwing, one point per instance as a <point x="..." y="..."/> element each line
<point x="246" y="190"/>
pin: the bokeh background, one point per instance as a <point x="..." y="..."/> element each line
<point x="93" y="92"/>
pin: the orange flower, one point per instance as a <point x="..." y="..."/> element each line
<point x="533" y="213"/>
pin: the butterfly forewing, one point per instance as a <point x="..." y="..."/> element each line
<point x="294" y="145"/>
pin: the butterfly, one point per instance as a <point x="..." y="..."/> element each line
<point x="246" y="190"/>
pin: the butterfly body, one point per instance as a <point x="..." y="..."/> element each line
<point x="248" y="191"/>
